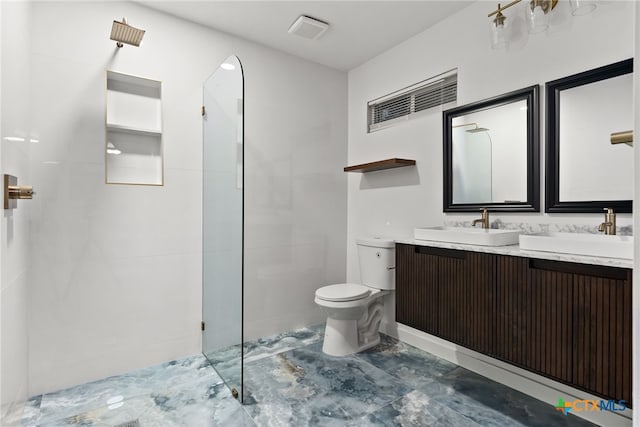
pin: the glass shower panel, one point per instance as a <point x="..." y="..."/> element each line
<point x="222" y="223"/>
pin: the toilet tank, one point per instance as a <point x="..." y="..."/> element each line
<point x="377" y="258"/>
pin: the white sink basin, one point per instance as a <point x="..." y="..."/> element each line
<point x="471" y="236"/>
<point x="599" y="245"/>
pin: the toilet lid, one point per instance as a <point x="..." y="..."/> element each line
<point x="343" y="292"/>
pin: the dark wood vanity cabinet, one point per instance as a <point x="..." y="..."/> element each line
<point x="602" y="340"/>
<point x="567" y="321"/>
<point x="534" y="316"/>
<point x="463" y="310"/>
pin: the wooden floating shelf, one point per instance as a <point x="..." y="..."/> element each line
<point x="380" y="165"/>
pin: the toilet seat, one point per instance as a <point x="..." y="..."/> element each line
<point x="343" y="292"/>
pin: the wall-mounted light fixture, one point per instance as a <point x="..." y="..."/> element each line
<point x="537" y="16"/>
<point x="499" y="38"/>
<point x="582" y="7"/>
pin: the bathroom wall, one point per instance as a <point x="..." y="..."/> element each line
<point x="116" y="269"/>
<point x="15" y="229"/>
<point x="295" y="189"/>
<point x="394" y="202"/>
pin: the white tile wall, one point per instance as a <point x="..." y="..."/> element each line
<point x="116" y="280"/>
<point x="295" y="200"/>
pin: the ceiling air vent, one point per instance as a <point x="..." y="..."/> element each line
<point x="405" y="103"/>
<point x="308" y="27"/>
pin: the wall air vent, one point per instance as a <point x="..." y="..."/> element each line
<point x="403" y="104"/>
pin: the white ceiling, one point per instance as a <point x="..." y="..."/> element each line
<point x="359" y="30"/>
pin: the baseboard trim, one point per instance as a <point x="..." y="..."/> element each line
<point x="519" y="379"/>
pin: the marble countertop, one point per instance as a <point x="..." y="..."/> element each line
<point x="514" y="250"/>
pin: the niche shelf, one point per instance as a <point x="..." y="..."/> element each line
<point x="133" y="130"/>
<point x="380" y="165"/>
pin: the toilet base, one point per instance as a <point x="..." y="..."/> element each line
<point x="347" y="336"/>
<point x="341" y="338"/>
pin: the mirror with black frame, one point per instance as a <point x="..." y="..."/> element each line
<point x="588" y="170"/>
<point x="491" y="154"/>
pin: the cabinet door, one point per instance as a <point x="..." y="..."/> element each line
<point x="534" y="316"/>
<point x="514" y="327"/>
<point x="566" y="321"/>
<point x="467" y="299"/>
<point x="549" y="320"/>
<point x="602" y="332"/>
<point x="447" y="293"/>
<point x="417" y="286"/>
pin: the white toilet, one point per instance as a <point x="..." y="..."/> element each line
<point x="354" y="311"/>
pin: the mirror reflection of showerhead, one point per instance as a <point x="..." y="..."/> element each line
<point x="121" y="32"/>
<point x="474" y="130"/>
<point x="477" y="129"/>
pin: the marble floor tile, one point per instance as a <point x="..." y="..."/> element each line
<point x="307" y="387"/>
<point x="227" y="361"/>
<point x="228" y="364"/>
<point x="31" y="412"/>
<point x="269" y="346"/>
<point x="11" y="413"/>
<point x="96" y="394"/>
<point x="416" y="409"/>
<point x="202" y="404"/>
<point x="476" y="397"/>
<point x="415" y="367"/>
<point x="493" y="404"/>
<point x="288" y="381"/>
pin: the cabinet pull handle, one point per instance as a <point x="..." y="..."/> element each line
<point x="443" y="252"/>
<point x="603" y="271"/>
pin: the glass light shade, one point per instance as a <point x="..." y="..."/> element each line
<point x="499" y="36"/>
<point x="582" y="7"/>
<point x="537" y="19"/>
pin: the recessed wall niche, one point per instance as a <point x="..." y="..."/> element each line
<point x="133" y="149"/>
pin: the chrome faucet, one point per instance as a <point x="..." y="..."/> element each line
<point x="484" y="220"/>
<point x="609" y="224"/>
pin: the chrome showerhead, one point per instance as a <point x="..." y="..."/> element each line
<point x="121" y="32"/>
